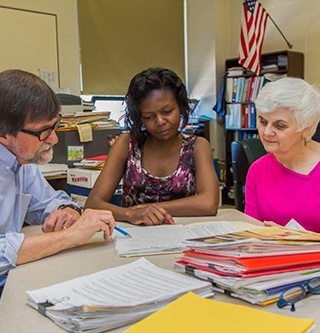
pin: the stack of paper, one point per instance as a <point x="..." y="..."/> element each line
<point x="95" y="162"/>
<point x="170" y="238"/>
<point x="53" y="169"/>
<point x="255" y="265"/>
<point x="191" y="313"/>
<point x="69" y="121"/>
<point x="114" y="297"/>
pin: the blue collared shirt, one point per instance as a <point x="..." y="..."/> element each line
<point x="25" y="196"/>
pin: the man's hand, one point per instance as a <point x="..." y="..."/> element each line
<point x="60" y="219"/>
<point x="90" y="222"/>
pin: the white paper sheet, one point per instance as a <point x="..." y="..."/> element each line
<point x="170" y="238"/>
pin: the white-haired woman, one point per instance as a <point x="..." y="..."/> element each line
<point x="285" y="183"/>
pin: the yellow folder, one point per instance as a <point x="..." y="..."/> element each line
<point x="191" y="313"/>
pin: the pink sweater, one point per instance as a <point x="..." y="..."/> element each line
<point x="275" y="193"/>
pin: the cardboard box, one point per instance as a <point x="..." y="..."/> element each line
<point x="82" y="177"/>
<point x="80" y="183"/>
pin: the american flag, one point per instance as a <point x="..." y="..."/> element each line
<point x="253" y="27"/>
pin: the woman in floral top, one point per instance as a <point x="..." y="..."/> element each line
<point x="164" y="172"/>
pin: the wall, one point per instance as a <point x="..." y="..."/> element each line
<point x="68" y="39"/>
<point x="300" y="24"/>
<point x="213" y="36"/>
<point x="207" y="41"/>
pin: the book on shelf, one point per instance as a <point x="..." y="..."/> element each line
<point x="240" y="116"/>
<point x="191" y="313"/>
<point x="268" y="68"/>
<point x="239" y="91"/>
<point x="235" y="71"/>
<point x="234" y="89"/>
<point x="229" y="88"/>
<point x="252" y="116"/>
<point x="244" y="97"/>
<point x="244" y="135"/>
<point x="114" y="297"/>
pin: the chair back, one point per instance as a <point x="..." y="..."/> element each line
<point x="254" y="149"/>
<point x="243" y="154"/>
<point x="240" y="166"/>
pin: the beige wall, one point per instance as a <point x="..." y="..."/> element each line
<point x="208" y="47"/>
<point x="213" y="35"/>
<point x="299" y="22"/>
<point x="68" y="39"/>
<point x="214" y="29"/>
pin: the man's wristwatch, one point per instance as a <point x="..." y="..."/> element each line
<point x="76" y="208"/>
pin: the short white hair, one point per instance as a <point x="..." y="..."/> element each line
<point x="297" y="96"/>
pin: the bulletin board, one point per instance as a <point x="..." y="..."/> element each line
<point x="28" y="41"/>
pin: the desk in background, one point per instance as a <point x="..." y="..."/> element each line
<point x="17" y="317"/>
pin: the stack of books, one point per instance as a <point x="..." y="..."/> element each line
<point x="255" y="265"/>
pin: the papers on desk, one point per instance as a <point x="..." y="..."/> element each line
<point x="170" y="238"/>
<point x="191" y="313"/>
<point x="113" y="297"/>
<point x="255" y="265"/>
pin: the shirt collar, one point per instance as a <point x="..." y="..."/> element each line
<point x="7" y="159"/>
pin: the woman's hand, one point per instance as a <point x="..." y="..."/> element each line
<point x="149" y="214"/>
<point x="270" y="224"/>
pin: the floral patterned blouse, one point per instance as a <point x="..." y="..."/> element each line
<point x="140" y="187"/>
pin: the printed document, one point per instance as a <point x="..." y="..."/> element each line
<point x="113" y="297"/>
<point x="170" y="238"/>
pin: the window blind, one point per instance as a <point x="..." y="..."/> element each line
<point x="120" y="38"/>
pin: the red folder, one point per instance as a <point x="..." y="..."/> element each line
<point x="259" y="265"/>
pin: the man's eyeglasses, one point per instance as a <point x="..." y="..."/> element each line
<point x="45" y="133"/>
<point x="292" y="295"/>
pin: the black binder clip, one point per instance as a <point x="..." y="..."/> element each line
<point x="43" y="306"/>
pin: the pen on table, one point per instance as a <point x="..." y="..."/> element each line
<point x="122" y="231"/>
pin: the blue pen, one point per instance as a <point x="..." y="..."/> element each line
<point x="122" y="231"/>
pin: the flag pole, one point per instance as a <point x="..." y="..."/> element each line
<point x="289" y="45"/>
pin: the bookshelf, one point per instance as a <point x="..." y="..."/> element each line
<point x="241" y="90"/>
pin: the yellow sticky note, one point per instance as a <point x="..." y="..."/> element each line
<point x="85" y="132"/>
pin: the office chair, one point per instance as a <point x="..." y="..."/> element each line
<point x="254" y="149"/>
<point x="316" y="136"/>
<point x="243" y="154"/>
<point x="240" y="166"/>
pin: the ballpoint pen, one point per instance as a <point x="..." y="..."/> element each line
<point x="122" y="231"/>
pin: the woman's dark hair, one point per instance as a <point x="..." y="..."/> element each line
<point x="141" y="86"/>
<point x="24" y="98"/>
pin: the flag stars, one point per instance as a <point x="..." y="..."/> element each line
<point x="251" y="4"/>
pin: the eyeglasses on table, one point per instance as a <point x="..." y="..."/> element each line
<point x="295" y="294"/>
